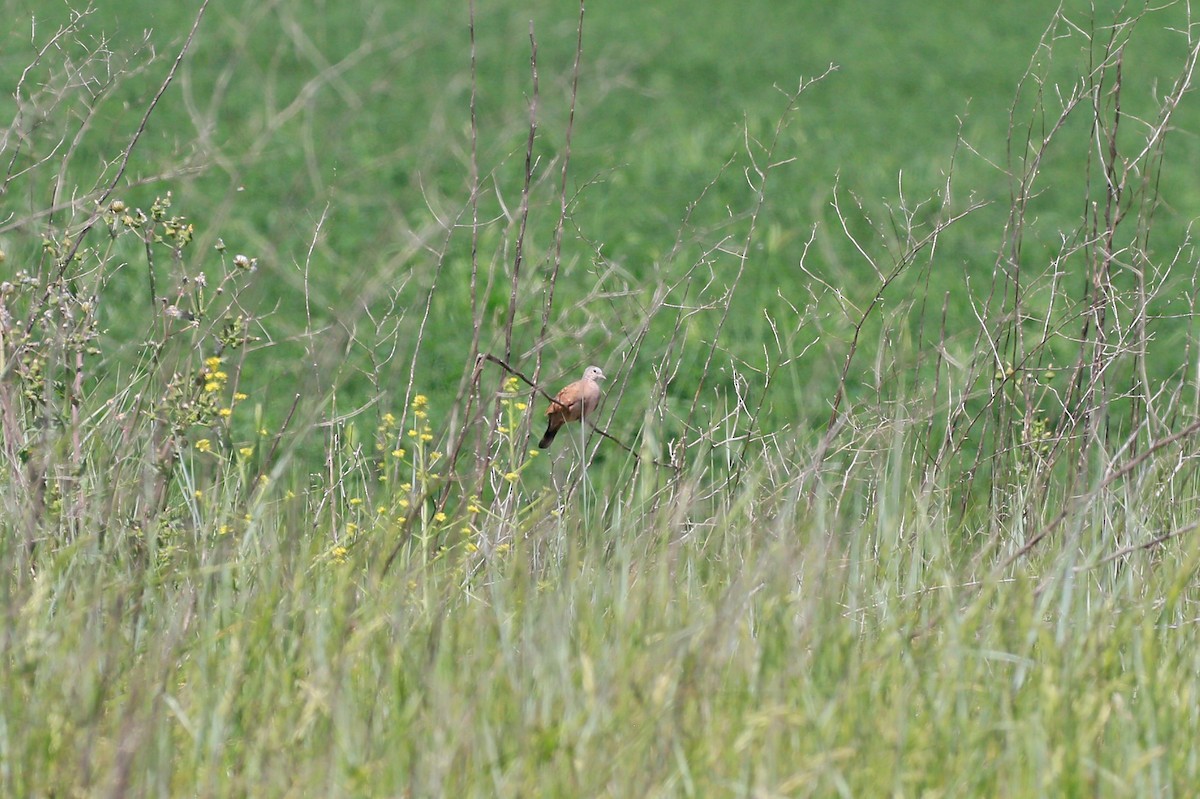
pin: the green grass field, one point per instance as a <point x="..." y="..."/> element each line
<point x="896" y="483"/>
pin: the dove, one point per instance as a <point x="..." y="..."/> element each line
<point x="573" y="403"/>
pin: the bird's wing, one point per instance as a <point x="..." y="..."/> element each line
<point x="566" y="401"/>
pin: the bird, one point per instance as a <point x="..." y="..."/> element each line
<point x="573" y="403"/>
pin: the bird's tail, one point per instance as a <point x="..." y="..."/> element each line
<point x="551" y="432"/>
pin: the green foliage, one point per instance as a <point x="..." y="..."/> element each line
<point x="898" y="486"/>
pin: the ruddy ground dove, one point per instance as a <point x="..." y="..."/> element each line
<point x="573" y="403"/>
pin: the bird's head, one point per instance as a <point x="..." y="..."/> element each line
<point x="593" y="373"/>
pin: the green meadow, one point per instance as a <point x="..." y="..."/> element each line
<point x="893" y="490"/>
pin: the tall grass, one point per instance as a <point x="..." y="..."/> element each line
<point x="973" y="573"/>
